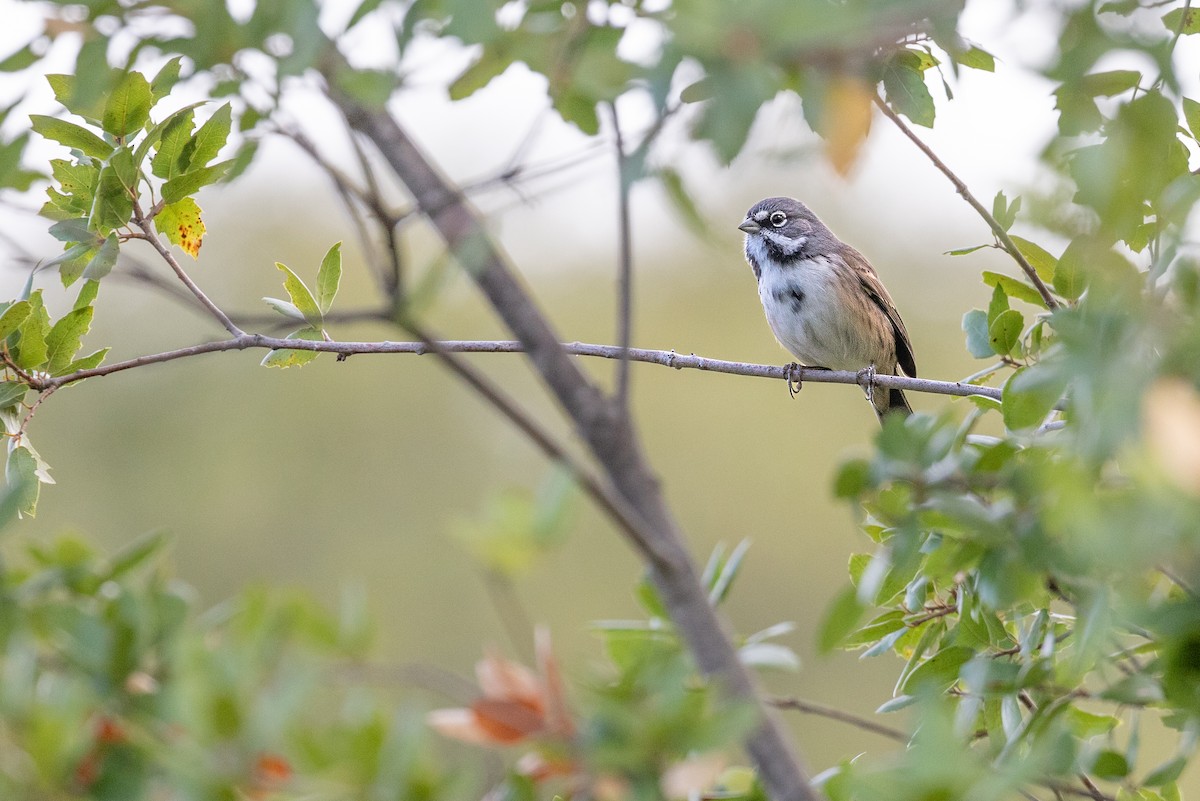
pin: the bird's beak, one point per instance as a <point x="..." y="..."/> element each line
<point x="750" y="226"/>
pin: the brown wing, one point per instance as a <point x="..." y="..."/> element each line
<point x="875" y="290"/>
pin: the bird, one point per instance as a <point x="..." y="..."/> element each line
<point x="824" y="301"/>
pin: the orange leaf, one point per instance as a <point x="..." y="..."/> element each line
<point x="505" y="680"/>
<point x="507" y="721"/>
<point x="272" y="769"/>
<point x="847" y="120"/>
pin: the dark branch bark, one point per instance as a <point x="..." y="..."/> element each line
<point x="602" y="424"/>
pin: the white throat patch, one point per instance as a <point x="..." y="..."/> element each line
<point x="789" y="246"/>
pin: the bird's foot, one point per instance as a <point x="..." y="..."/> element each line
<point x="791" y="374"/>
<point x="866" y="379"/>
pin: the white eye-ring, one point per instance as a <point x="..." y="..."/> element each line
<point x="778" y="219"/>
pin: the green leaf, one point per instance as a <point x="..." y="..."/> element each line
<point x="1029" y="395"/>
<point x="1167" y="772"/>
<point x="975" y="324"/>
<point x="1005" y="331"/>
<point x="286" y="308"/>
<point x="154" y="136"/>
<point x="905" y="89"/>
<point x="1042" y="262"/>
<point x="165" y="79"/>
<point x="998" y="304"/>
<point x="71" y="135"/>
<point x="104" y="260"/>
<point x="841" y="619"/>
<point x="175" y="134"/>
<point x="364" y="8"/>
<point x="1109" y="84"/>
<point x="976" y="59"/>
<point x="1014" y="288"/>
<point x="73" y="230"/>
<point x="1085" y="724"/>
<point x="897" y="703"/>
<point x="722" y="580"/>
<point x="370" y="87"/>
<point x="113" y="205"/>
<point x="89" y="362"/>
<point x="12" y="393"/>
<point x="329" y="276"/>
<point x="191" y="182"/>
<point x="1005" y="212"/>
<point x="697" y="92"/>
<point x="1191" y="113"/>
<point x="964" y="251"/>
<point x="1110" y="765"/>
<point x="31" y="345"/>
<point x="1070" y="275"/>
<point x="21" y="474"/>
<point x="1122" y="7"/>
<point x="64" y="339"/>
<point x="294" y="358"/>
<point x="128" y="106"/>
<point x="301" y="296"/>
<point x="939" y="671"/>
<point x="87" y="293"/>
<point x="491" y="64"/>
<point x="19" y="60"/>
<point x="853" y="478"/>
<point x="649" y="599"/>
<point x="1186" y="22"/>
<point x="209" y="139"/>
<point x="13" y="316"/>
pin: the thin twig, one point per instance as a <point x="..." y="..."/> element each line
<point x="849" y="718"/>
<point x="150" y="236"/>
<point x="625" y="265"/>
<point x="664" y="358"/>
<point x="1005" y="240"/>
<point x="1178" y="32"/>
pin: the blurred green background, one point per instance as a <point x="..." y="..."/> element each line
<point x="357" y="473"/>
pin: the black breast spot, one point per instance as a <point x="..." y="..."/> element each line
<point x="794" y="296"/>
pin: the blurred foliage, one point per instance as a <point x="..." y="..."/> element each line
<point x="117" y="686"/>
<point x="1040" y="584"/>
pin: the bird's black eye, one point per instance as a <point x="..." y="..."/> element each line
<point x="778" y="219"/>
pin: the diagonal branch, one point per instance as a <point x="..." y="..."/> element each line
<point x="602" y="424"/>
<point x="1006" y="241"/>
<point x="150" y="236"/>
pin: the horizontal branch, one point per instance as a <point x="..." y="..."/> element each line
<point x="666" y="358"/>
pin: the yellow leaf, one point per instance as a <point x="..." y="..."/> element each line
<point x="847" y="120"/>
<point x="180" y="223"/>
<point x="1171" y="425"/>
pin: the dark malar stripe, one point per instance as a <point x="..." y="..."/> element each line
<point x="753" y="264"/>
<point x="780" y="256"/>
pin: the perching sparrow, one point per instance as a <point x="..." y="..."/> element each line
<point x="823" y="299"/>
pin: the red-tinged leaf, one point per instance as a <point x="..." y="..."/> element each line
<point x="181" y="224"/>
<point x="507" y="721"/>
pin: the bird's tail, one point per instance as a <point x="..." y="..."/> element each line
<point x="893" y="402"/>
